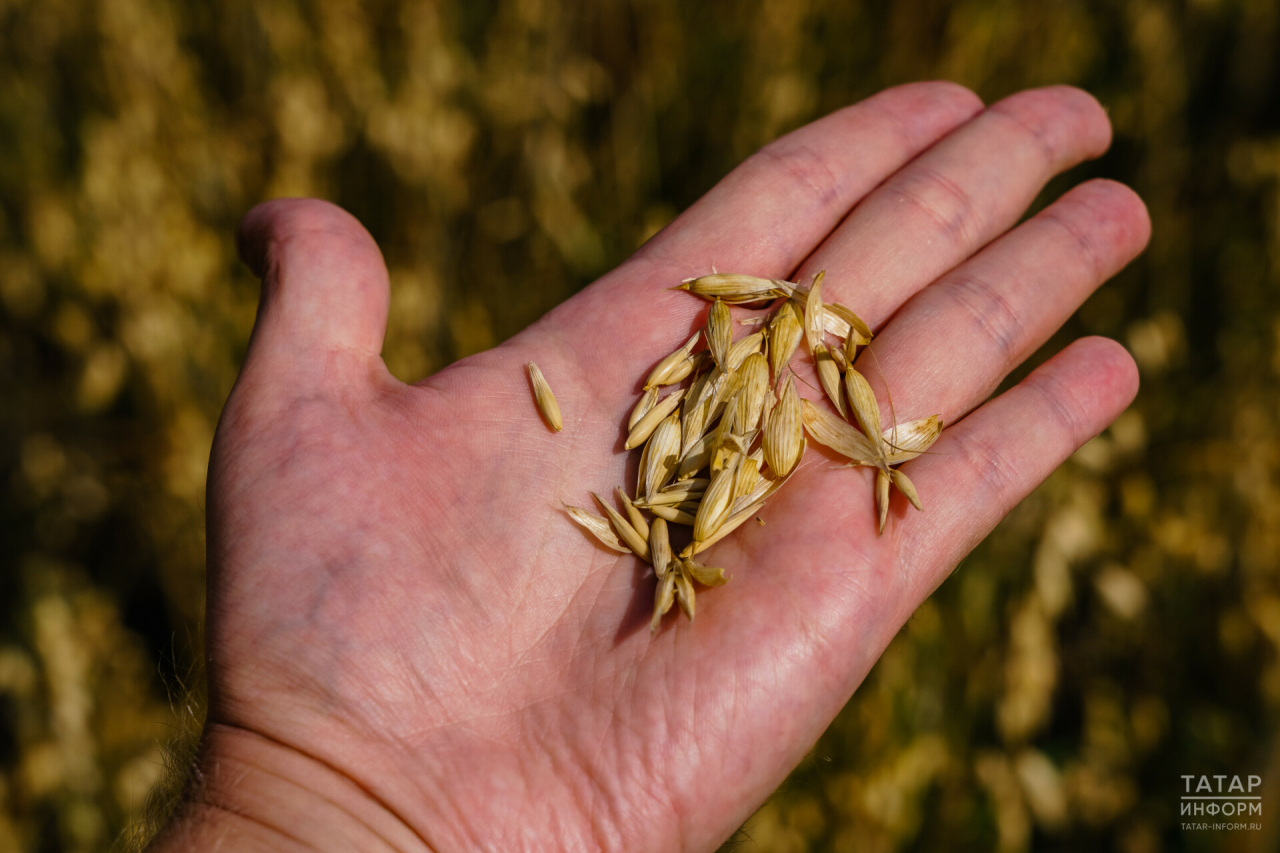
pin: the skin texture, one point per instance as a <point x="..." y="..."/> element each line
<point x="412" y="647"/>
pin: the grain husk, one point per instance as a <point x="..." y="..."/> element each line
<point x="647" y="424"/>
<point x="748" y="476"/>
<point x="598" y="526"/>
<point x="678" y="492"/>
<point x="907" y="441"/>
<point x="744" y="347"/>
<point x="634" y="515"/>
<point x="829" y="378"/>
<point x="882" y="498"/>
<point x="663" y="372"/>
<point x="734" y="288"/>
<point x="641" y="494"/>
<point x="866" y="409"/>
<point x="719" y="331"/>
<point x="659" y="547"/>
<point x="784" y="432"/>
<point x="813" y="314"/>
<point x="627" y="533"/>
<point x="684" y="591"/>
<point x="850" y="348"/>
<point x="705" y="575"/>
<point x="696" y="457"/>
<point x="751" y="396"/>
<point x="860" y="330"/>
<point x="742" y="511"/>
<point x="647" y="401"/>
<point x="904" y="485"/>
<point x="830" y="431"/>
<point x="785" y="333"/>
<point x="663" y="597"/>
<point x="545" y="400"/>
<point x="663" y="458"/>
<point x="716" y="502"/>
<point x="673" y="515"/>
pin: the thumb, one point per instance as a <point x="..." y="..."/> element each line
<point x="323" y="309"/>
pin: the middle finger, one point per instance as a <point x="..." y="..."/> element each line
<point x="956" y="197"/>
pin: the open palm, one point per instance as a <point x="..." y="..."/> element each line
<point x="412" y="646"/>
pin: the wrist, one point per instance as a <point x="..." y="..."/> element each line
<point x="252" y="793"/>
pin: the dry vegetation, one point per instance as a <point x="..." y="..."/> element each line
<point x="1121" y="628"/>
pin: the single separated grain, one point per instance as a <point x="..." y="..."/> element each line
<point x="546" y="401"/>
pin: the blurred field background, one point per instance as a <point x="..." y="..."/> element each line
<point x="1119" y="630"/>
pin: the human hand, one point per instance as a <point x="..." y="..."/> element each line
<point x="410" y="645"/>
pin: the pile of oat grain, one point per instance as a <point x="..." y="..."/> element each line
<point x="717" y="448"/>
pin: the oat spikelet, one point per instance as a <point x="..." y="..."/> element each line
<point x="741" y="512"/>
<point x="635" y="516"/>
<point x="684" y="591"/>
<point x="716" y="502"/>
<point x="905" y="486"/>
<point x="641" y="494"/>
<point x="755" y="386"/>
<point x="726" y="442"/>
<point x="697" y="457"/>
<point x="546" y="401"/>
<point x="833" y="318"/>
<point x="705" y="575"/>
<point x="882" y="498"/>
<point x="647" y="424"/>
<point x="785" y="333"/>
<point x="829" y="377"/>
<point x="697" y="407"/>
<point x="673" y="515"/>
<point x="744" y="347"/>
<point x="748" y="477"/>
<point x="598" y="526"/>
<point x="736" y="427"/>
<point x="699" y="384"/>
<point x="735" y="288"/>
<point x="691" y="489"/>
<point x="663" y="458"/>
<point x="837" y="434"/>
<point x="625" y="531"/>
<point x="770" y="401"/>
<point x="686" y="368"/>
<point x="859" y="330"/>
<point x="866" y="410"/>
<point x="659" y="547"/>
<point x="666" y="370"/>
<point x="784" y="432"/>
<point x="647" y="401"/>
<point x="719" y="333"/>
<point x="840" y="358"/>
<point x="813" y="314"/>
<point x="663" y="597"/>
<point x="850" y="348"/>
<point x="909" y="440"/>
<point x="725" y="389"/>
<point x="700" y="388"/>
<point x="845" y="440"/>
<point x="762" y="488"/>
